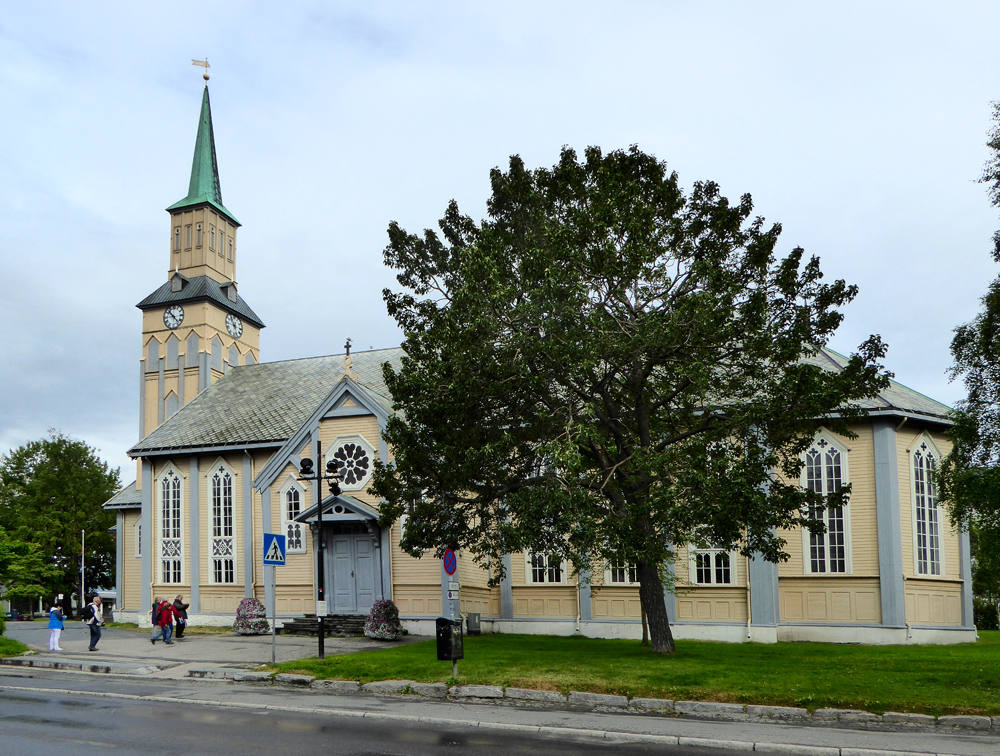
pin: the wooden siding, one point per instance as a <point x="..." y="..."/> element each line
<point x="830" y="599"/>
<point x="545" y="601"/>
<point x="418" y="600"/>
<point x="711" y="604"/>
<point x="131" y="598"/>
<point x="615" y="602"/>
<point x="933" y="602"/>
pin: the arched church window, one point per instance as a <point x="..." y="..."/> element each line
<point x="171" y="543"/>
<point x="198" y="235"/>
<point x="825" y="472"/>
<point x="223" y="541"/>
<point x="927" y="520"/>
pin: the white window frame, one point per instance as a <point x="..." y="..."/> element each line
<point x="169" y="543"/>
<point x="630" y="571"/>
<point x="137" y="537"/>
<point x="923" y="445"/>
<point x="221" y="547"/>
<point x="824" y="439"/>
<point x="546" y="568"/>
<point x="291" y="484"/>
<point x="712" y="555"/>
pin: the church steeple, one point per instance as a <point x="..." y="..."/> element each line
<point x="204" y="187"/>
<point x="195" y="327"/>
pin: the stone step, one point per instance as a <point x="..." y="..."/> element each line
<point x="335" y="624"/>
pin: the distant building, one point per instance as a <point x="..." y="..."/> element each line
<point x="222" y="435"/>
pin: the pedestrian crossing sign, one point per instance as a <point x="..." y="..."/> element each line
<point x="274" y="549"/>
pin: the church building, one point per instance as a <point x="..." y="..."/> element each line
<point x="223" y="434"/>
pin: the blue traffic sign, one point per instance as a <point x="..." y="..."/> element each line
<point x="274" y="549"/>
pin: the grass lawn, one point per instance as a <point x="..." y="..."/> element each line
<point x="960" y="679"/>
<point x="11" y="647"/>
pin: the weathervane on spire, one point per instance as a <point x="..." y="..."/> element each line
<point x="203" y="64"/>
<point x="348" y="363"/>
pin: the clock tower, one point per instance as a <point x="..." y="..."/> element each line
<point x="196" y="326"/>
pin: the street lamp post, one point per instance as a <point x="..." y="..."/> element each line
<point x="308" y="472"/>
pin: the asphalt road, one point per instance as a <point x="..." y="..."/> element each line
<point x="53" y="724"/>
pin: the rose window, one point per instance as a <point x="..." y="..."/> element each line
<point x="353" y="463"/>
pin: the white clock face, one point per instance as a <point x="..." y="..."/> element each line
<point x="173" y="316"/>
<point x="234" y="325"/>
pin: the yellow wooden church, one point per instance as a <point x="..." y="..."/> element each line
<point x="223" y="435"/>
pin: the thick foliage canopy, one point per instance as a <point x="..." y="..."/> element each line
<point x="608" y="368"/>
<point x="970" y="475"/>
<point x="50" y="491"/>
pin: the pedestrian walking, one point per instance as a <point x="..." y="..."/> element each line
<point x="163" y="617"/>
<point x="55" y="627"/>
<point x="182" y="616"/>
<point x="93" y="615"/>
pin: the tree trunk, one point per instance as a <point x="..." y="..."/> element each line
<point x="645" y="626"/>
<point x="653" y="603"/>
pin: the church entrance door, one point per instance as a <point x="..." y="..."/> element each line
<point x="353" y="569"/>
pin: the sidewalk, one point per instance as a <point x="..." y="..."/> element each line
<point x="223" y="662"/>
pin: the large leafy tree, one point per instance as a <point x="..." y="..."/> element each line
<point x="51" y="490"/>
<point x="608" y="368"/>
<point x="969" y="478"/>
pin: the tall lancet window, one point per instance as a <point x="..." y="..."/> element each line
<point x="171" y="542"/>
<point x="223" y="542"/>
<point x="292" y="497"/>
<point x="927" y="517"/>
<point x="825" y="472"/>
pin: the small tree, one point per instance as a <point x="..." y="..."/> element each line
<point x="607" y="369"/>
<point x="50" y="491"/>
<point x="25" y="571"/>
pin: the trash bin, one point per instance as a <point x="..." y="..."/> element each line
<point x="449" y="639"/>
<point x="472" y="623"/>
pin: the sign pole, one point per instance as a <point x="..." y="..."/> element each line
<point x="274" y="556"/>
<point x="274" y="609"/>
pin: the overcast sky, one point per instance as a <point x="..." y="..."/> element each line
<point x="860" y="127"/>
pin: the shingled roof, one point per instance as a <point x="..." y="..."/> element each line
<point x="896" y="399"/>
<point x="199" y="289"/>
<point x="263" y="405"/>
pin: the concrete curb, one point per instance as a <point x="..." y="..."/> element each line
<point x="494" y="694"/>
<point x="603" y="702"/>
<point x="788" y="749"/>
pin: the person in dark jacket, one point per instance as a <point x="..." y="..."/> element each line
<point x="93" y="615"/>
<point x="182" y="616"/>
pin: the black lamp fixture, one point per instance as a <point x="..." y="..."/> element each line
<point x="307" y="471"/>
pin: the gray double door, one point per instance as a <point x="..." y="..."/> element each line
<point x="351" y="571"/>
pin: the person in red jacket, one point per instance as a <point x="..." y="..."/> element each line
<point x="167" y="613"/>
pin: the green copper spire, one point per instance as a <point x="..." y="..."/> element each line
<point x="204" y="187"/>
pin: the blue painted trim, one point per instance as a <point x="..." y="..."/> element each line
<point x="194" y="508"/>
<point x="586" y="606"/>
<point x="249" y="546"/>
<point x="965" y="559"/>
<point x="269" y="569"/>
<point x="142" y="399"/>
<point x="506" y="591"/>
<point x="146" y="519"/>
<point x="888" y="523"/>
<point x="763" y="576"/>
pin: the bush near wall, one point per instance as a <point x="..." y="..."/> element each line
<point x="984" y="615"/>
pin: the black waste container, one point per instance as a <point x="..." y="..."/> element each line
<point x="449" y="639"/>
